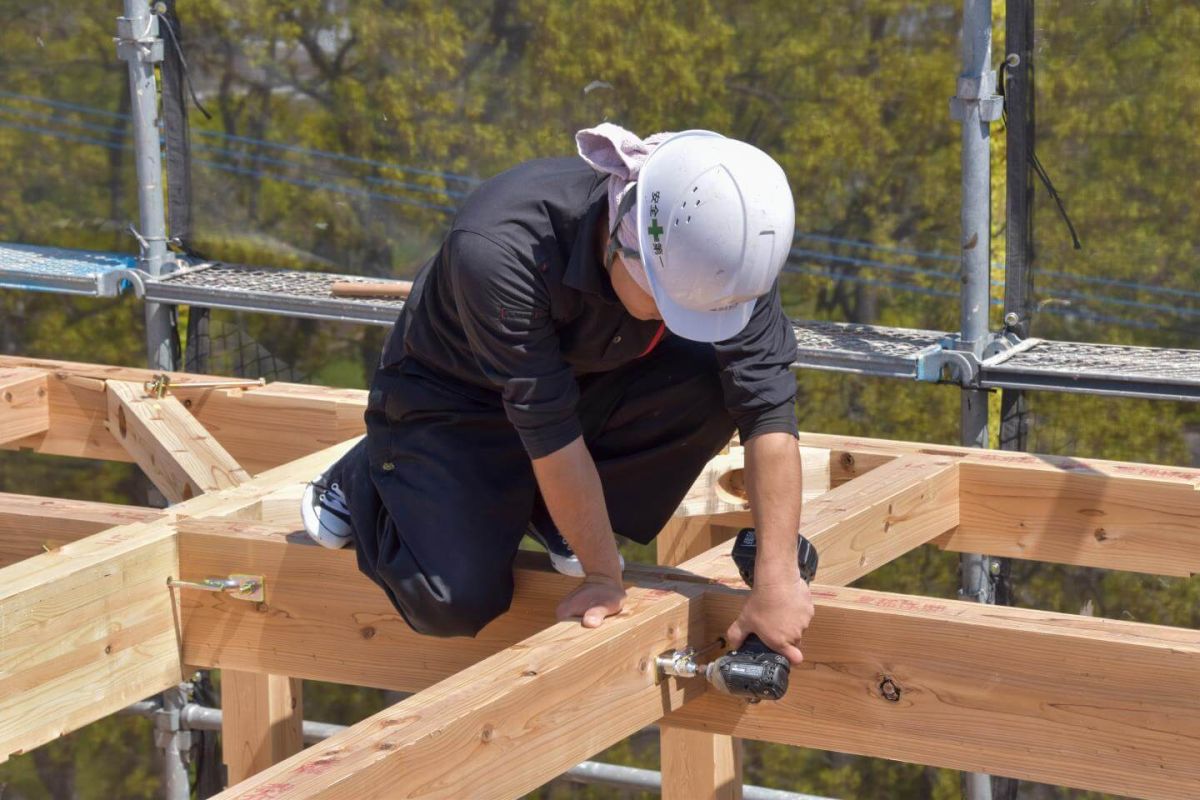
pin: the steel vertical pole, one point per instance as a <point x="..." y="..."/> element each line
<point x="175" y="743"/>
<point x="139" y="46"/>
<point x="976" y="106"/>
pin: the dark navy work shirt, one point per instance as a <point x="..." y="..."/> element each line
<point x="517" y="301"/>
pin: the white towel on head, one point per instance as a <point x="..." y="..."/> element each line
<point x="620" y="153"/>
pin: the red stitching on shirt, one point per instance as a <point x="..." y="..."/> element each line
<point x="662" y="328"/>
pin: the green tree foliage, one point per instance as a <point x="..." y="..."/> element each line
<point x="344" y="133"/>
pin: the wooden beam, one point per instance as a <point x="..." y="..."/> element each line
<point x="1094" y="701"/>
<point x="1059" y="509"/>
<point x="261" y="721"/>
<point x="697" y="765"/>
<point x="91" y="627"/>
<point x="84" y="631"/>
<point x="262" y="427"/>
<point x="323" y="619"/>
<point x="267" y="426"/>
<point x="868" y="522"/>
<point x="24" y="406"/>
<point x="32" y="525"/>
<point x="510" y="723"/>
<point x="173" y="449"/>
<point x="717" y="490"/>
<point x="1138" y="519"/>
<point x="1096" y="704"/>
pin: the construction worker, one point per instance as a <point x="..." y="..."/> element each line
<point x="591" y="332"/>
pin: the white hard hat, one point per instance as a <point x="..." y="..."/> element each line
<point x="715" y="224"/>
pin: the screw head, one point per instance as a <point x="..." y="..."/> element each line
<point x="1011" y="318"/>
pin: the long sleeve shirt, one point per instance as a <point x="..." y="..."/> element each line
<point x="517" y="302"/>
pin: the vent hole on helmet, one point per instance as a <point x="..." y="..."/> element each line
<point x="677" y="222"/>
<point x="689" y="219"/>
<point x="697" y="202"/>
<point x="695" y="189"/>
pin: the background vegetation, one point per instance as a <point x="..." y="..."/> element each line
<point x="343" y="134"/>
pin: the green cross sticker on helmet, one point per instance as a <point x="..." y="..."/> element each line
<point x="717" y="233"/>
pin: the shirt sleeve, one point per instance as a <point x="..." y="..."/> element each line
<point x="756" y="375"/>
<point x="505" y="311"/>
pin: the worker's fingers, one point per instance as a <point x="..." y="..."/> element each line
<point x="591" y="603"/>
<point x="792" y="654"/>
<point x="594" y="616"/>
<point x="735" y="635"/>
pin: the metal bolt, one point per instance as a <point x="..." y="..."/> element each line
<point x="993" y="566"/>
<point x="1011" y="319"/>
<point x="388" y="466"/>
<point x="1013" y="59"/>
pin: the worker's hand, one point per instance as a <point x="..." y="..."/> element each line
<point x="778" y="613"/>
<point x="599" y="596"/>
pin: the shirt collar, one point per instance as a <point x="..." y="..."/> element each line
<point x="585" y="271"/>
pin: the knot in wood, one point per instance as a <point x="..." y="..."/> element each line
<point x="889" y="690"/>
<point x="368" y="632"/>
<point x="487" y="733"/>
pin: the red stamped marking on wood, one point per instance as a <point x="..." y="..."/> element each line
<point x="316" y="767"/>
<point x="267" y="791"/>
<point x="902" y="604"/>
<point x="1001" y="458"/>
<point x="1147" y="471"/>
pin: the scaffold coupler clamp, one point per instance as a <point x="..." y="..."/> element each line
<point x="137" y="39"/>
<point x="953" y="361"/>
<point x="977" y="89"/>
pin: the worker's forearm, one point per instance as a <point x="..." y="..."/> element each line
<point x="575" y="498"/>
<point x="773" y="480"/>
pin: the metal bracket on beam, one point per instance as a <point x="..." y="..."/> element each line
<point x="240" y="587"/>
<point x="980" y="89"/>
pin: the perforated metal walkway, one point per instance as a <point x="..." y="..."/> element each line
<point x="842" y="347"/>
<point x="57" y="269"/>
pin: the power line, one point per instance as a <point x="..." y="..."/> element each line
<point x="792" y="267"/>
<point x="329" y="154"/>
<point x="332" y="187"/>
<point x="238" y="154"/>
<point x="942" y="256"/>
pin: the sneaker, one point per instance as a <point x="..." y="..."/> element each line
<point x="326" y="517"/>
<point x="562" y="557"/>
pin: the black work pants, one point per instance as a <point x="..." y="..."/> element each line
<point x="441" y="491"/>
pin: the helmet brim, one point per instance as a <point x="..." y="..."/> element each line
<point x="702" y="326"/>
<point x="699" y="326"/>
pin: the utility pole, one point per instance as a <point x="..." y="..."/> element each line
<point x="140" y="47"/>
<point x="976" y="105"/>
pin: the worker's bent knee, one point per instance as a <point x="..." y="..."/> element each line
<point x="450" y="610"/>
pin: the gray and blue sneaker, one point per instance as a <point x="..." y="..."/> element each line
<point x="324" y="512"/>
<point x="562" y="557"/>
